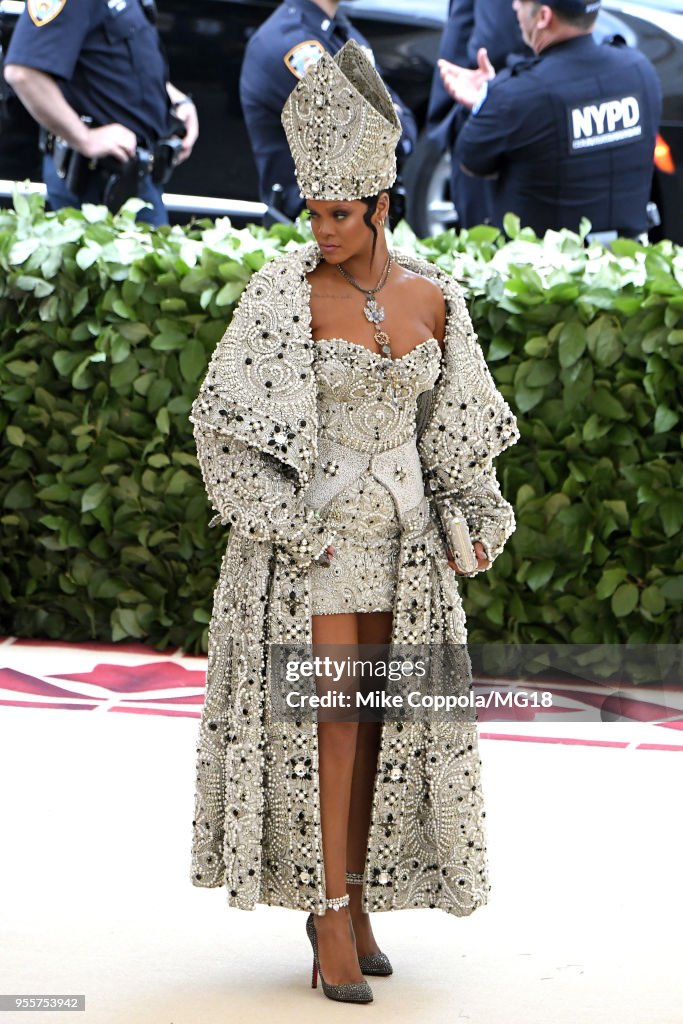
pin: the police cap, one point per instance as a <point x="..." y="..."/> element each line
<point x="573" y="6"/>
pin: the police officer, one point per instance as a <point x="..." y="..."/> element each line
<point x="278" y="54"/>
<point x="93" y="74"/>
<point x="567" y="134"/>
<point x="471" y="25"/>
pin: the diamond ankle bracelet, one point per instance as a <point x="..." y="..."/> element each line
<point x="337" y="902"/>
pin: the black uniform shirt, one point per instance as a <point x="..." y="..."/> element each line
<point x="277" y="56"/>
<point x="570" y="134"/>
<point x="106" y="56"/>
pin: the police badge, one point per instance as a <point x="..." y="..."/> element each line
<point x="303" y="56"/>
<point x="43" y="11"/>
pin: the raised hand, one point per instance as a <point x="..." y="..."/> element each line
<point x="465" y="84"/>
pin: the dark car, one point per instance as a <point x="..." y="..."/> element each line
<point x="205" y="41"/>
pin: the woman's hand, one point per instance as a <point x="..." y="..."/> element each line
<point x="482" y="560"/>
<point x="326" y="557"/>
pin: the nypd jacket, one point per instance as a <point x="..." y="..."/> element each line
<point x="568" y="134"/>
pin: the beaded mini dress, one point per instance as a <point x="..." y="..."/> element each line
<point x="368" y="475"/>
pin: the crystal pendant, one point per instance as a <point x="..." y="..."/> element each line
<point x="373" y="312"/>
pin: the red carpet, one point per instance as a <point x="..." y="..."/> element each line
<point x="133" y="679"/>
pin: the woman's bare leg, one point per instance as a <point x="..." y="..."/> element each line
<point x="373" y="628"/>
<point x="337" y="749"/>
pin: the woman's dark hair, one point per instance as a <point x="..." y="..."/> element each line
<point x="371" y="203"/>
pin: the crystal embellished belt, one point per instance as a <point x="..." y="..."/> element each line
<point x="398" y="469"/>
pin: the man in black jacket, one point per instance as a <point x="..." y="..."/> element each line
<point x="472" y="25"/>
<point x="567" y="134"/>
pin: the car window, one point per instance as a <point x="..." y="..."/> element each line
<point x="390" y="9"/>
<point x="654" y="5"/>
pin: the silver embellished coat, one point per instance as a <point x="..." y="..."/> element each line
<point x="256" y="829"/>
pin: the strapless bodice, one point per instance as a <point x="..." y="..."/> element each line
<point x="368" y="483"/>
<point x="367" y="401"/>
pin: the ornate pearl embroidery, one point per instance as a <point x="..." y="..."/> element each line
<point x="256" y="828"/>
<point x="360" y="509"/>
<point x="342" y="128"/>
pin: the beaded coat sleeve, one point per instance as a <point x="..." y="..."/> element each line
<point x="471" y="424"/>
<point x="250" y="493"/>
<point x="489" y="517"/>
<point x="252" y="425"/>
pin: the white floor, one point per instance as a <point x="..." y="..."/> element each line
<point x="583" y="926"/>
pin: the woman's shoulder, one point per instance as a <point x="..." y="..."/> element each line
<point x="451" y="304"/>
<point x="303" y="259"/>
<point x="430" y="273"/>
<point x="284" y="274"/>
<point x="424" y="293"/>
<point x="423" y="285"/>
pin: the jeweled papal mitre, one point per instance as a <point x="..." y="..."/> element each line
<point x="342" y="128"/>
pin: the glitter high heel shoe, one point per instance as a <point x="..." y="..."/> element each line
<point x="377" y="964"/>
<point x="349" y="992"/>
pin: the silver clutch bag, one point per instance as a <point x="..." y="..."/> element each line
<point x="457" y="534"/>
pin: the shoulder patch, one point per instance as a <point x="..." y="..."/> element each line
<point x="42" y="11"/>
<point x="303" y="56"/>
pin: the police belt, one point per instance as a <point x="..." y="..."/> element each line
<point x="119" y="181"/>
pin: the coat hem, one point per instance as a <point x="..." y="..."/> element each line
<point x="312" y="907"/>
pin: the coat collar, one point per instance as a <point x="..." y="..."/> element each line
<point x="261" y="386"/>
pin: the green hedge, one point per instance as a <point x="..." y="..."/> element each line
<point x="107" y="327"/>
